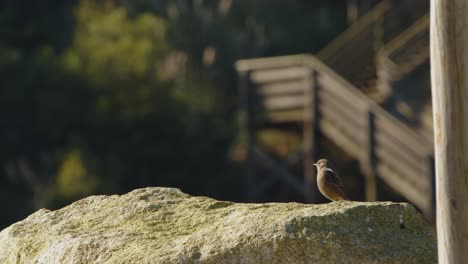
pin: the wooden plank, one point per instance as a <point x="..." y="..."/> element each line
<point x="368" y="160"/>
<point x="343" y="85"/>
<point x="281" y="88"/>
<point x="273" y="62"/>
<point x="399" y="165"/>
<point x="346" y="108"/>
<point x="348" y="115"/>
<point x="285" y="116"/>
<point x="413" y="143"/>
<point x="338" y="90"/>
<point x="415" y="160"/>
<point x="342" y="122"/>
<point x="281" y="74"/>
<point x="341" y="119"/>
<point x="415" y="177"/>
<point x="309" y="137"/>
<point x="284" y="102"/>
<point x="353" y="106"/>
<point x="407" y="35"/>
<point x="398" y="183"/>
<point x="247" y="119"/>
<point x="349" y="145"/>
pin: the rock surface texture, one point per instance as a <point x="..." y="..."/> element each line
<point x="164" y="225"/>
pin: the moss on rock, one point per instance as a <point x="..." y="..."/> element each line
<point x="164" y="225"/>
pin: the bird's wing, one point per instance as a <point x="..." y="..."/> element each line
<point x="334" y="184"/>
<point x="330" y="177"/>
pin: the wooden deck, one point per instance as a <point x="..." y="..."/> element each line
<point x="300" y="88"/>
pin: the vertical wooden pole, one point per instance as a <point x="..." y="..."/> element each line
<point x="368" y="162"/>
<point x="449" y="77"/>
<point x="310" y="136"/>
<point x="247" y="126"/>
<point x="352" y="11"/>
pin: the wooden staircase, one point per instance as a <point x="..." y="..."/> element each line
<point x="304" y="90"/>
<point x="337" y="95"/>
<point x="404" y="78"/>
<point x="353" y="54"/>
<point x="403" y="54"/>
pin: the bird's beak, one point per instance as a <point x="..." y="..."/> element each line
<point x="315" y="164"/>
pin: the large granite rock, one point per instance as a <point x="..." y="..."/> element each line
<point x="164" y="225"/>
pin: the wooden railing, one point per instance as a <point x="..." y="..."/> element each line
<point x="301" y="88"/>
<point x="354" y="49"/>
<point x="403" y="54"/>
<point x="354" y="52"/>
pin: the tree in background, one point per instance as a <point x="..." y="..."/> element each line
<point x="105" y="97"/>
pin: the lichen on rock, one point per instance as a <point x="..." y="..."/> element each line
<point x="165" y="225"/>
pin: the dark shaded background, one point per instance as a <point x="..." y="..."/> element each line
<point x="101" y="97"/>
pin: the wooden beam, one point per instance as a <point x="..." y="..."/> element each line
<point x="345" y="116"/>
<point x="281" y="74"/>
<point x="414" y="143"/>
<point x="449" y="77"/>
<point x="281" y="88"/>
<point x="284" y="102"/>
<point x="412" y="177"/>
<point x="309" y="133"/>
<point x="400" y="185"/>
<point x="402" y="152"/>
<point x="350" y="146"/>
<point x="368" y="161"/>
<point x="247" y="124"/>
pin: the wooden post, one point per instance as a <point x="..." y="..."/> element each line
<point x="368" y="163"/>
<point x="309" y="137"/>
<point x="449" y="76"/>
<point x="247" y="125"/>
<point x="352" y="11"/>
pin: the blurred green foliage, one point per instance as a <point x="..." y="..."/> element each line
<point x="108" y="96"/>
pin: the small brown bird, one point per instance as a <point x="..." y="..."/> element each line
<point x="328" y="181"/>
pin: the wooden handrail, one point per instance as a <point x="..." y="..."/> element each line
<point x="406" y="36"/>
<point x="388" y="63"/>
<point x="271" y="62"/>
<point x="364" y="22"/>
